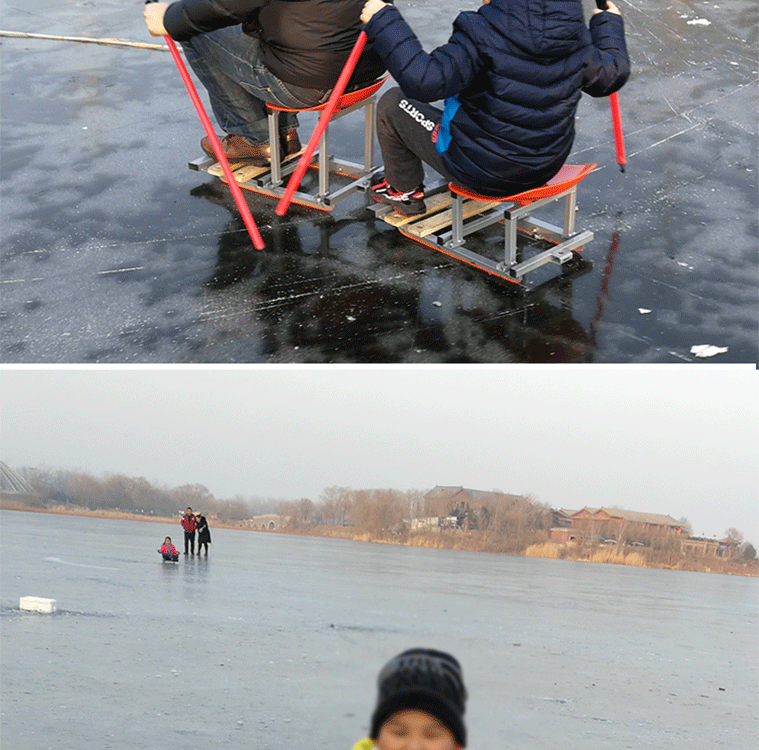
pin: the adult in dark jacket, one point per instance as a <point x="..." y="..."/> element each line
<point x="247" y="52"/>
<point x="204" y="533"/>
<point x="512" y="75"/>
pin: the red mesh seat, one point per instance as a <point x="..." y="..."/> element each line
<point x="346" y="100"/>
<point x="568" y="176"/>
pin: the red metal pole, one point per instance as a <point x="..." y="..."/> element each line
<point x="248" y="220"/>
<point x="321" y="126"/>
<point x="618" y="138"/>
<point x="615" y="116"/>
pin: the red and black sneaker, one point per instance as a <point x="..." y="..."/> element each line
<point x="409" y="203"/>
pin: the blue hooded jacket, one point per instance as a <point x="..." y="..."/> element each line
<point x="512" y="74"/>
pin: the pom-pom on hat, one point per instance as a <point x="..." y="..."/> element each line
<point x="425" y="680"/>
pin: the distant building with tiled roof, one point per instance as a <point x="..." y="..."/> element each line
<point x="598" y="523"/>
<point x="562" y="517"/>
<point x="617" y="514"/>
<point x="463" y="494"/>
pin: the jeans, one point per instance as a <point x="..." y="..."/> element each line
<point x="227" y="63"/>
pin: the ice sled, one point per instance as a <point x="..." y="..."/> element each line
<point x="337" y="177"/>
<point x="456" y="220"/>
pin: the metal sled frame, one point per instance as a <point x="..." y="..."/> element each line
<point x="271" y="180"/>
<point x="469" y="213"/>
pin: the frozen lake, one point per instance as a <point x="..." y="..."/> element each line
<point x="273" y="642"/>
<point x="114" y="252"/>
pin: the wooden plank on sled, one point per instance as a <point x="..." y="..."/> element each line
<point x="217" y="171"/>
<point x="434" y="204"/>
<point x="245" y="172"/>
<point x="427" y="226"/>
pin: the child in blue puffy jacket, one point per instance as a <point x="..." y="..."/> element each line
<point x="511" y="74"/>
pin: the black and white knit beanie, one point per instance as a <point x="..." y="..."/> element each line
<point x="425" y="680"/>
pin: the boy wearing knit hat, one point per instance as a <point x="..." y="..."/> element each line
<point x="420" y="703"/>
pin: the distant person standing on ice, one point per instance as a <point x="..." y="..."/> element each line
<point x="189" y="524"/>
<point x="420" y="704"/>
<point x="512" y="75"/>
<point x="204" y="533"/>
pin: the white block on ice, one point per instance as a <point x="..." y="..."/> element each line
<point x="37" y="604"/>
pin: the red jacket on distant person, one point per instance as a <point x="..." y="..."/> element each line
<point x="189" y="523"/>
<point x="169" y="549"/>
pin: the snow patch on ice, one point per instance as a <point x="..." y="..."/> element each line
<point x="707" y="350"/>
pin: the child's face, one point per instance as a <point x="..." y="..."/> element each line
<point x="414" y="730"/>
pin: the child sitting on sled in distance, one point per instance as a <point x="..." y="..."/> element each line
<point x="420" y="704"/>
<point x="169" y="551"/>
<point x="512" y="75"/>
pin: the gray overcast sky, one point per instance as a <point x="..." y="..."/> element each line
<point x="679" y="441"/>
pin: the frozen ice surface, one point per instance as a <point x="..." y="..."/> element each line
<point x="114" y="252"/>
<point x="275" y="641"/>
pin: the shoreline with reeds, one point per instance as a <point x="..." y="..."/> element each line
<point x="457" y="540"/>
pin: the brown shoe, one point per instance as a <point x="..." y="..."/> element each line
<point x="237" y="148"/>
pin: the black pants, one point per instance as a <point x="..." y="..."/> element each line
<point x="404" y="130"/>
<point x="189" y="538"/>
<point x="200" y="545"/>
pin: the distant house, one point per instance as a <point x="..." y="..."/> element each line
<point x="564" y="535"/>
<point x="701" y="547"/>
<point x="424" y="524"/>
<point x="562" y="518"/>
<point x="471" y="508"/>
<point x="459" y="495"/>
<point x="599" y="523"/>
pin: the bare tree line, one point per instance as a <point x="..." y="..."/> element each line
<point x="507" y="523"/>
<point x="137" y="495"/>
